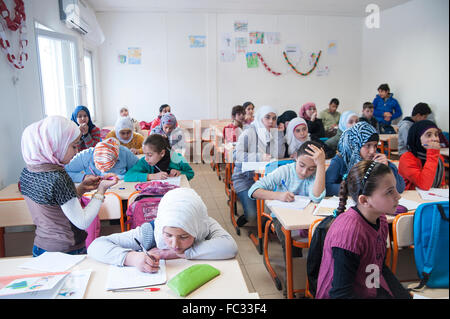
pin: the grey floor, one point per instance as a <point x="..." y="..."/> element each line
<point x="19" y="241"/>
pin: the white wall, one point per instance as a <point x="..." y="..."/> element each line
<point x="198" y="85"/>
<point x="410" y="52"/>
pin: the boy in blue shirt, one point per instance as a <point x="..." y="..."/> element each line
<point x="386" y="109"/>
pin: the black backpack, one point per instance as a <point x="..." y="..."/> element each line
<point x="315" y="252"/>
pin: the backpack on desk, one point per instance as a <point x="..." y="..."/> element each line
<point x="431" y="244"/>
<point x="145" y="206"/>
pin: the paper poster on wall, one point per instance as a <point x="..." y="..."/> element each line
<point x="241" y="26"/>
<point x="226" y="41"/>
<point x="240" y="44"/>
<point x="256" y="37"/>
<point x="332" y="47"/>
<point x="134" y="55"/>
<point x="293" y="51"/>
<point x="312" y="56"/>
<point x="252" y="59"/>
<point x="227" y="56"/>
<point x="322" y="71"/>
<point x="122" y="58"/>
<point x="272" y="37"/>
<point x="197" y="41"/>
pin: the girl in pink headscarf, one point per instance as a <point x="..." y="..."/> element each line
<point x="50" y="194"/>
<point x="308" y="112"/>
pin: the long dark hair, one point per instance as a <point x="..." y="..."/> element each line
<point x="362" y="179"/>
<point x="159" y="143"/>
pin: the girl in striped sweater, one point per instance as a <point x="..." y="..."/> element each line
<point x="90" y="134"/>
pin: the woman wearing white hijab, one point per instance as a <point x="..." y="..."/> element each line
<point x="123" y="131"/>
<point x="259" y="142"/>
<point x="182" y="229"/>
<point x="347" y="120"/>
<point x="50" y="194"/>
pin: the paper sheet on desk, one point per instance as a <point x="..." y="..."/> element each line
<point x="131" y="277"/>
<point x="434" y="194"/>
<point x="253" y="166"/>
<point x="327" y="205"/>
<point x="409" y="204"/>
<point x="171" y="180"/>
<point x="53" y="262"/>
<point x="300" y="202"/>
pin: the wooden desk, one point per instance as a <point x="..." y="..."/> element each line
<point x="230" y="284"/>
<point x="384" y="139"/>
<point x="444" y="151"/>
<point x="294" y="219"/>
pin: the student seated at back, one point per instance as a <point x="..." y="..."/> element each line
<point x="159" y="162"/>
<point x="249" y="113"/>
<point x="367" y="115"/>
<point x="308" y="112"/>
<point x="90" y="134"/>
<point x="357" y="143"/>
<point x="182" y="229"/>
<point x="232" y="131"/>
<point x="347" y="120"/>
<point x="284" y="119"/>
<point x="107" y="156"/>
<point x="137" y="127"/>
<point x="168" y="127"/>
<point x="123" y="131"/>
<point x="355" y="244"/>
<point x="420" y="112"/>
<point x="330" y="118"/>
<point x="423" y="165"/>
<point x="386" y="109"/>
<point x="163" y="109"/>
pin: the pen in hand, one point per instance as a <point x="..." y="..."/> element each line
<point x="284" y="185"/>
<point x="145" y="251"/>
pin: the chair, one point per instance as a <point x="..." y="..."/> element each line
<point x="111" y="208"/>
<point x="392" y="147"/>
<point x="312" y="229"/>
<point x="402" y="235"/>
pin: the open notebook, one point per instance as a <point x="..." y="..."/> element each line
<point x="130" y="277"/>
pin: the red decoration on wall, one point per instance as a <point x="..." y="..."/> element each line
<point x="266" y="66"/>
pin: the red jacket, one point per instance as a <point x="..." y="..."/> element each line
<point x="416" y="174"/>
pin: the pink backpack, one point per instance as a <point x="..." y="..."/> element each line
<point x="145" y="206"/>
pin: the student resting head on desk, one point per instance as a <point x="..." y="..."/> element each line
<point x="357" y="143"/>
<point x="355" y="245"/>
<point x="106" y="157"/>
<point x="159" y="162"/>
<point x="182" y="229"/>
<point x="50" y="194"/>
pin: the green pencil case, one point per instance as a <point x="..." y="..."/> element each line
<point x="191" y="278"/>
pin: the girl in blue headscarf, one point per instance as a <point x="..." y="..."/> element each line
<point x="347" y="120"/>
<point x="360" y="142"/>
<point x="90" y="134"/>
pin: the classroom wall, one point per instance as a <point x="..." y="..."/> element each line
<point x="410" y="52"/>
<point x="198" y="85"/>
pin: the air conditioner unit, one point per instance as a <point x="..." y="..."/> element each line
<point x="79" y="17"/>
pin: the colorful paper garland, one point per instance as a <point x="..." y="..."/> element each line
<point x="298" y="72"/>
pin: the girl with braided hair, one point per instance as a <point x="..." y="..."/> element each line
<point x="355" y="245"/>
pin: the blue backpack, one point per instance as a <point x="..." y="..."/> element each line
<point x="431" y="244"/>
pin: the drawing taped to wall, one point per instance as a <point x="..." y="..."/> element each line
<point x="252" y="59"/>
<point x="197" y="41"/>
<point x="256" y="37"/>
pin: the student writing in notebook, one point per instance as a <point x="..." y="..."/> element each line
<point x="182" y="229"/>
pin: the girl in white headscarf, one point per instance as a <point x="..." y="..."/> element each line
<point x="296" y="135"/>
<point x="50" y="194"/>
<point x="123" y="131"/>
<point x="182" y="229"/>
<point x="260" y="142"/>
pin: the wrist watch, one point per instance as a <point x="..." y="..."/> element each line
<point x="99" y="197"/>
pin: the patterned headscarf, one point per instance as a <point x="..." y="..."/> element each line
<point x="75" y="113"/>
<point x="351" y="141"/>
<point x="166" y="119"/>
<point x="106" y="154"/>
<point x="124" y="123"/>
<point x="345" y="117"/>
<point x="291" y="140"/>
<point x="182" y="208"/>
<point x="304" y="108"/>
<point x="47" y="141"/>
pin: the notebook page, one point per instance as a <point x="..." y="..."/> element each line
<point x="131" y="277"/>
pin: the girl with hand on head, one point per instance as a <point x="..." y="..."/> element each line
<point x="168" y="127"/>
<point x="260" y="142"/>
<point x="355" y="244"/>
<point x="423" y="166"/>
<point x="182" y="229"/>
<point x="357" y="143"/>
<point x="159" y="162"/>
<point x="90" y="134"/>
<point x="347" y="120"/>
<point x="50" y="194"/>
<point x="106" y="157"/>
<point x="308" y="112"/>
<point x="123" y="131"/>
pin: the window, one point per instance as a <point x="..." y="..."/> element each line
<point x="89" y="80"/>
<point x="58" y="65"/>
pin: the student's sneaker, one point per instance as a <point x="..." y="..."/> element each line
<point x="241" y="221"/>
